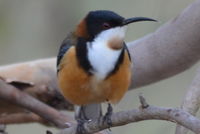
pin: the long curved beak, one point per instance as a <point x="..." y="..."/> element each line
<point x="136" y="19"/>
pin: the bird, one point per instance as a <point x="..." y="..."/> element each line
<point x="93" y="62"/>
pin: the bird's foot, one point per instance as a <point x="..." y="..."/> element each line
<point x="80" y="126"/>
<point x="81" y="119"/>
<point x="107" y="116"/>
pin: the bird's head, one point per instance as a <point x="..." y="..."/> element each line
<point x="106" y="24"/>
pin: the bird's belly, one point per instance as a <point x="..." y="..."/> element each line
<point x="80" y="88"/>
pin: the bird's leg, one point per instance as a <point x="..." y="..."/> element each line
<point x="81" y="118"/>
<point x="80" y="113"/>
<point x="80" y="127"/>
<point x="107" y="116"/>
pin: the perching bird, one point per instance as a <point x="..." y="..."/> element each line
<point x="93" y="62"/>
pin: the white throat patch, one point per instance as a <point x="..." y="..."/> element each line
<point x="100" y="55"/>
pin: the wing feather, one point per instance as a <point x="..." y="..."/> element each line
<point x="66" y="44"/>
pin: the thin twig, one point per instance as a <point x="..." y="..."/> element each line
<point x="143" y="102"/>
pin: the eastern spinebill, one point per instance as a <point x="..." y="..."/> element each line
<point x="93" y="63"/>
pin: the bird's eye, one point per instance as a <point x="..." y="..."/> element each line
<point x="106" y="25"/>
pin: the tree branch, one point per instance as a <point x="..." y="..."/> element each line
<point x="172" y="49"/>
<point x="13" y="95"/>
<point x="191" y="102"/>
<point x="21" y="118"/>
<point x="41" y="75"/>
<point x="148" y="113"/>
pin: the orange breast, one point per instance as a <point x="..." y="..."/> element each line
<point x="80" y="88"/>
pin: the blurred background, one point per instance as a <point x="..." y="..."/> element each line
<point x="34" y="29"/>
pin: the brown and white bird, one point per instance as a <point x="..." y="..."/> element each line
<point x="93" y="62"/>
